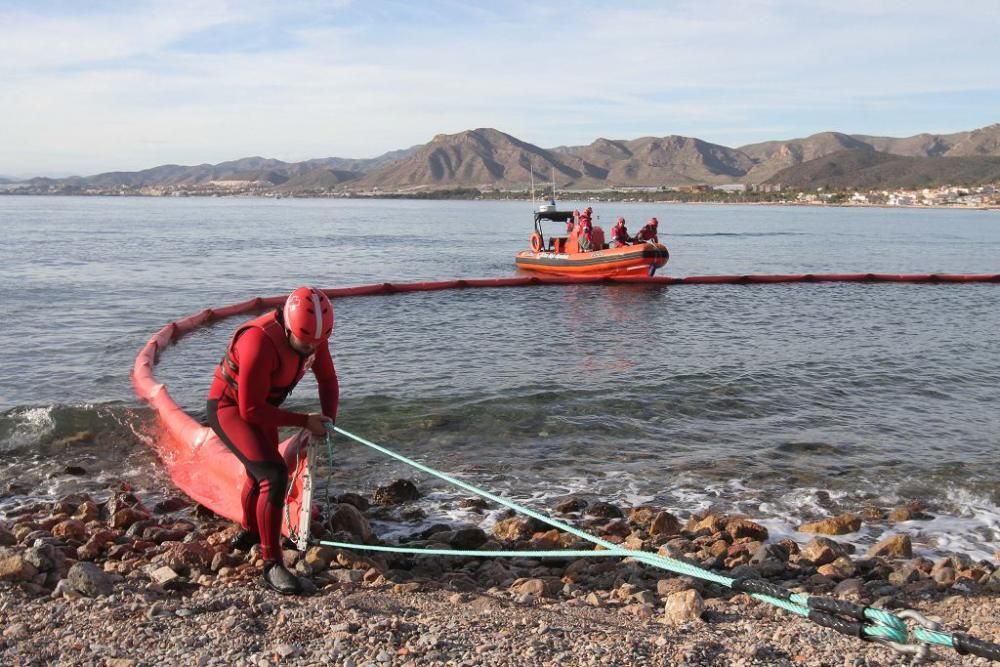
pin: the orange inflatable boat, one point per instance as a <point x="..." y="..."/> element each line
<point x="562" y="254"/>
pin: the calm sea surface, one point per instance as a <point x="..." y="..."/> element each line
<point x="785" y="402"/>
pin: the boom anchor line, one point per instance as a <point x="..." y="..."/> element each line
<point x="865" y="623"/>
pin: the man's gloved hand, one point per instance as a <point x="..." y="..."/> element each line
<point x="316" y="423"/>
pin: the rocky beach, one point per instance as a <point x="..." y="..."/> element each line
<point x="111" y="581"/>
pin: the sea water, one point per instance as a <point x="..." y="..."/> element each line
<point x="785" y="403"/>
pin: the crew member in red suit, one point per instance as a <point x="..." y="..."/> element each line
<point x="648" y="233"/>
<point x="572" y="222"/>
<point x="583" y="220"/>
<point x="585" y="239"/>
<point x="266" y="358"/>
<point x="619" y="234"/>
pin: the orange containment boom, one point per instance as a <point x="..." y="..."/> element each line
<point x="208" y="472"/>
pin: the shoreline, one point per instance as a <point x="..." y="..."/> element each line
<point x="115" y="582"/>
<point x="950" y="207"/>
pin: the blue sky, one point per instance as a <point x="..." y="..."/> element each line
<point x="98" y="86"/>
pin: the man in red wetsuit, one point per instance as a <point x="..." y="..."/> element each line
<point x="648" y="233"/>
<point x="571" y="223"/>
<point x="585" y="237"/>
<point x="619" y="234"/>
<point x="266" y="358"/>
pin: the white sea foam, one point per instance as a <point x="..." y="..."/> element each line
<point x="31" y="424"/>
<point x="966" y="523"/>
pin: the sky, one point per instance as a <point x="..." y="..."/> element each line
<point x="88" y="87"/>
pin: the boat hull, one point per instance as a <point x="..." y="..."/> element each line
<point x="630" y="260"/>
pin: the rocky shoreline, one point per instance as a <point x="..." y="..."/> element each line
<point x="113" y="582"/>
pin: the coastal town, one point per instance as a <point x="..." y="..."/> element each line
<point x="984" y="196"/>
<point x="951" y="196"/>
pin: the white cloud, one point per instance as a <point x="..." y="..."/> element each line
<point x="94" y="93"/>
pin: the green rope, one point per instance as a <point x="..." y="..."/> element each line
<point x="933" y="637"/>
<point x="661" y="561"/>
<point x="477" y="553"/>
<point x="886" y="627"/>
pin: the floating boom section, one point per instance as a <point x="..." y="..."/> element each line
<point x="202" y="467"/>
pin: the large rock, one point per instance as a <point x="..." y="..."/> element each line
<point x="517" y="528"/>
<point x="71" y="529"/>
<point x="43" y="556"/>
<point x="604" y="511"/>
<point x="320" y="557"/>
<point x="90" y="580"/>
<point x="164" y="575"/>
<point x="354" y="561"/>
<point x="95" y="545"/>
<point x="183" y="556"/>
<point x="355" y="499"/>
<point x="125" y="517"/>
<point x="894" y="546"/>
<point x="170" y="504"/>
<point x="837" y="525"/>
<point x="822" y="550"/>
<point x="540" y="587"/>
<point x="642" y="515"/>
<point x="769" y="559"/>
<point x="348" y="518"/>
<point x="570" y="505"/>
<point x="909" y="512"/>
<point x="468" y="538"/>
<point x="708" y="525"/>
<point x="15" y="566"/>
<point x="122" y="500"/>
<point x="841" y="568"/>
<point x="945" y="575"/>
<point x="738" y="528"/>
<point x="849" y="588"/>
<point x="87" y="511"/>
<point x="664" y="523"/>
<point x="400" y="491"/>
<point x="683" y="607"/>
<point x="6" y="537"/>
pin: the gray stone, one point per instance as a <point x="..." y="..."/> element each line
<point x="90" y="580"/>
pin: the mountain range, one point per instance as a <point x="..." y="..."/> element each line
<point x="486" y="158"/>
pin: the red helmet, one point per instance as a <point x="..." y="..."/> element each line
<point x="621" y="220"/>
<point x="309" y="315"/>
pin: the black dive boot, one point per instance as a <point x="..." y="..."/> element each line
<point x="244" y="540"/>
<point x="279" y="579"/>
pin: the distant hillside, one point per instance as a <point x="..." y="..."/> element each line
<point x="475" y="158"/>
<point x="773" y="156"/>
<point x="487" y="158"/>
<point x="653" y="161"/>
<point x="866" y="169"/>
<point x="251" y="169"/>
<point x="319" y="180"/>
